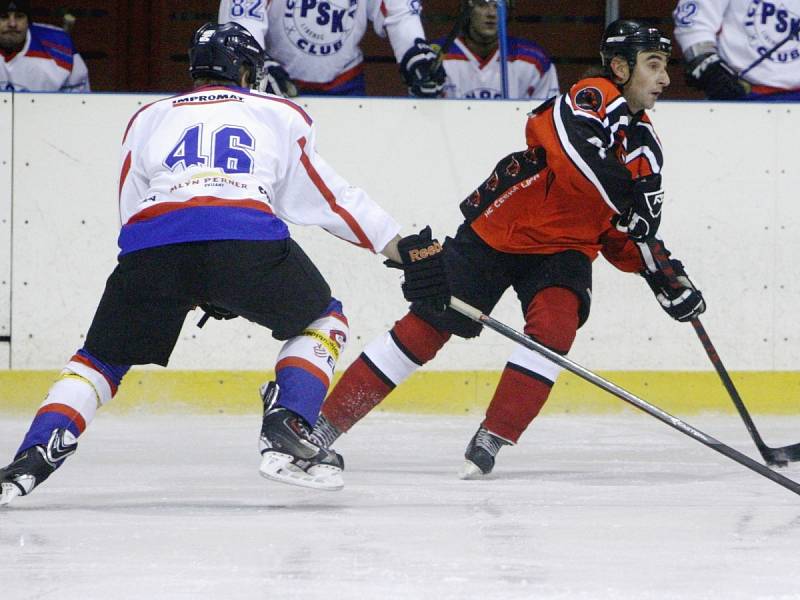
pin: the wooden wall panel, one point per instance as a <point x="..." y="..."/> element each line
<point x="141" y="45"/>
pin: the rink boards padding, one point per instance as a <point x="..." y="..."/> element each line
<point x="731" y="215"/>
<point x="435" y="392"/>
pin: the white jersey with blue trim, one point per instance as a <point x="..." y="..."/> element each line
<point x="228" y="163"/>
<point x="317" y="41"/>
<point x="531" y="74"/>
<point x="47" y="62"/>
<point x="743" y="30"/>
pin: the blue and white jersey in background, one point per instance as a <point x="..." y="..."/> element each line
<point x="317" y="41"/>
<point x="47" y="62"/>
<point x="531" y="74"/>
<point x="223" y="163"/>
<point x="743" y="30"/>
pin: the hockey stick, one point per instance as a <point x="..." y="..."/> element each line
<point x="793" y="32"/>
<point x="773" y="456"/>
<point x="502" y="35"/>
<point x="463" y="15"/>
<point x="506" y="331"/>
<point x="68" y="22"/>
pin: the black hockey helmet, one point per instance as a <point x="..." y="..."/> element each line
<point x="627" y="38"/>
<point x="219" y="50"/>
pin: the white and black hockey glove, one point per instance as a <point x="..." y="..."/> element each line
<point x="676" y="293"/>
<point x="425" y="278"/>
<point x="274" y="79"/>
<point x="422" y="70"/>
<point x="642" y="219"/>
<point x="709" y="73"/>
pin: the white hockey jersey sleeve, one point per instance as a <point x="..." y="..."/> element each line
<point x="250" y="14"/>
<point x="698" y="22"/>
<point x="78" y="80"/>
<point x="314" y="194"/>
<point x="400" y="19"/>
<point x="545" y="85"/>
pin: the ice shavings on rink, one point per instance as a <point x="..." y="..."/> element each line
<point x="584" y="507"/>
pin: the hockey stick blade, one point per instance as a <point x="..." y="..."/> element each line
<point x="777" y="457"/>
<point x="573" y="367"/>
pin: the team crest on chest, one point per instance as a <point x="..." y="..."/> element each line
<point x="319" y="27"/>
<point x="769" y="23"/>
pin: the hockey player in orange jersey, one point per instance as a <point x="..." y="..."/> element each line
<point x="588" y="182"/>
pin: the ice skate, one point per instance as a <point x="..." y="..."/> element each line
<point x="480" y="454"/>
<point x="32" y="466"/>
<point x="288" y="454"/>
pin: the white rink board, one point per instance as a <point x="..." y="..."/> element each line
<point x="731" y="216"/>
<point x="6" y="113"/>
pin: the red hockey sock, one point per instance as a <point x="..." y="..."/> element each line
<point x="552" y="319"/>
<point x="384" y="364"/>
<point x="517" y="400"/>
<point x="358" y="391"/>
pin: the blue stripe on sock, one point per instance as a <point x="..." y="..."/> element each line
<point x="42" y="427"/>
<point x="114" y="372"/>
<point x="301" y="392"/>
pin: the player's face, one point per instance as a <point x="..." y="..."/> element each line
<point x="483" y="20"/>
<point x="13" y="28"/>
<point x="648" y="81"/>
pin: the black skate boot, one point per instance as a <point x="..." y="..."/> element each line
<point x="324" y="433"/>
<point x="288" y="454"/>
<point x="32" y="466"/>
<point x="480" y="454"/>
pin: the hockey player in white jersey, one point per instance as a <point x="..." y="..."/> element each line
<point x="207" y="180"/>
<point x="317" y="42"/>
<point x="741" y="49"/>
<point x="35" y="57"/>
<point x="472" y="62"/>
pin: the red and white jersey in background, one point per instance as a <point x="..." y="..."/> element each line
<point x="317" y="41"/>
<point x="229" y="163"/>
<point x="47" y="62"/>
<point x="531" y="74"/>
<point x="742" y="30"/>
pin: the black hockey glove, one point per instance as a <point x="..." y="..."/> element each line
<point x="214" y="312"/>
<point x="274" y="79"/>
<point x="708" y="72"/>
<point x="642" y="219"/>
<point x="683" y="302"/>
<point x="423" y="265"/>
<point x="422" y="70"/>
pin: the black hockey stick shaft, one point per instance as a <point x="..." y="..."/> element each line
<point x="573" y="367"/>
<point x="463" y="14"/>
<point x="773" y="456"/>
<point x="793" y="32"/>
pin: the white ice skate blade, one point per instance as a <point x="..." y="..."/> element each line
<point x="8" y="491"/>
<point x="469" y="470"/>
<point x="278" y="466"/>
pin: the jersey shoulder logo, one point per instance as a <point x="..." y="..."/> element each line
<point x="319" y="27"/>
<point x="589" y="98"/>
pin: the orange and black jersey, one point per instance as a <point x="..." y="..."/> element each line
<point x="606" y="144"/>
<point x="595" y="148"/>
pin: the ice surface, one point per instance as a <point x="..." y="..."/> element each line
<point x="586" y="507"/>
